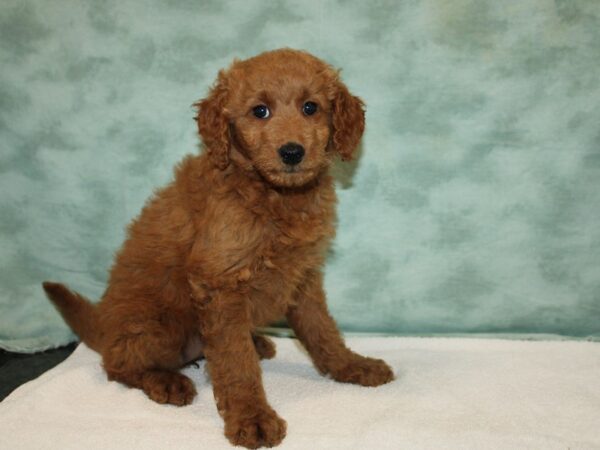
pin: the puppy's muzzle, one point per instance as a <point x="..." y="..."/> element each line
<point x="291" y="153"/>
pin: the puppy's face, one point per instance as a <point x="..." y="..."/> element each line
<point x="281" y="122"/>
<point x="284" y="114"/>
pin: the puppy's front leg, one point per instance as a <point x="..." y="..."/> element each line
<point x="316" y="329"/>
<point x="234" y="369"/>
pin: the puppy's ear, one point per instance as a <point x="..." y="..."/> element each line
<point x="348" y="121"/>
<point x="213" y="124"/>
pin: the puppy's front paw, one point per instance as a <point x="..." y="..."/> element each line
<point x="364" y="371"/>
<point x="262" y="429"/>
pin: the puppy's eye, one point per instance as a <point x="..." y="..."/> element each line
<point x="309" y="108"/>
<point x="261" y="111"/>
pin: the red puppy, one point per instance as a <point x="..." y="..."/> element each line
<point x="235" y="242"/>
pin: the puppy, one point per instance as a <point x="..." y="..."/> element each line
<point x="235" y="242"/>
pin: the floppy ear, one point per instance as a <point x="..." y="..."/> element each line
<point x="213" y="125"/>
<point x="348" y="121"/>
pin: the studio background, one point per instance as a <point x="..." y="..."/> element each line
<point x="474" y="205"/>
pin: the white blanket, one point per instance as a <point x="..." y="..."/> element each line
<point x="450" y="393"/>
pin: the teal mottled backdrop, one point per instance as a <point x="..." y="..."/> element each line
<point x="475" y="204"/>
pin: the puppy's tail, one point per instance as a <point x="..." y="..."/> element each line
<point x="77" y="311"/>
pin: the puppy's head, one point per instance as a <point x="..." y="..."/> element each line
<point x="282" y="114"/>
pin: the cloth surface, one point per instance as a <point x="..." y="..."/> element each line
<point x="449" y="393"/>
<point x="473" y="205"/>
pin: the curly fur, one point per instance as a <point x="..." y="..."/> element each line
<point x="235" y="242"/>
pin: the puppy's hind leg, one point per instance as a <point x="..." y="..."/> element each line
<point x="264" y="346"/>
<point x="150" y="361"/>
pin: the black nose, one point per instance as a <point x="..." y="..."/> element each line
<point x="291" y="153"/>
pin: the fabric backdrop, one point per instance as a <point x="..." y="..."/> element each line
<point x="475" y="203"/>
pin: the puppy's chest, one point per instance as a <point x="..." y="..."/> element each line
<point x="257" y="247"/>
<point x="288" y="248"/>
<point x="279" y="266"/>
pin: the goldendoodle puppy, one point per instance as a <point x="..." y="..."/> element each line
<point x="235" y="242"/>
